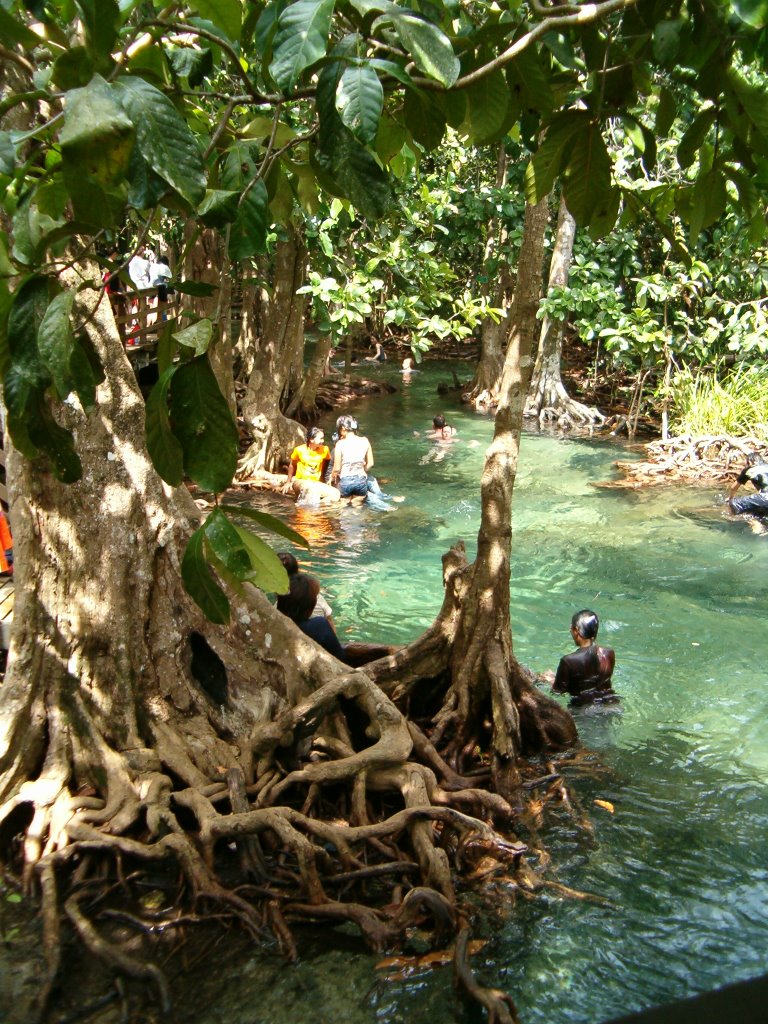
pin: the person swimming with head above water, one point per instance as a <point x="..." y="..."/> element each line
<point x="586" y="673"/>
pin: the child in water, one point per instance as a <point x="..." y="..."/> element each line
<point x="586" y="673"/>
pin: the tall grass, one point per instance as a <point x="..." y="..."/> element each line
<point x="710" y="402"/>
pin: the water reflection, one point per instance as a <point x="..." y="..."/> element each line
<point x="681" y="590"/>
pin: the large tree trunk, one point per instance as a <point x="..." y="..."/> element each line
<point x="472" y="637"/>
<point x="274" y="350"/>
<point x="133" y="731"/>
<point x="484" y="389"/>
<point x="548" y="399"/>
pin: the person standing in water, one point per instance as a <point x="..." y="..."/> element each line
<point x="586" y="673"/>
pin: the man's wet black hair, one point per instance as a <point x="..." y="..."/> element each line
<point x="586" y="623"/>
<point x="438" y="422"/>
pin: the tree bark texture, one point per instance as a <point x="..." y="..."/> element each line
<point x="548" y="399"/>
<point x="275" y="436"/>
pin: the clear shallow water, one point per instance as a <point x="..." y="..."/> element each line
<point x="681" y="591"/>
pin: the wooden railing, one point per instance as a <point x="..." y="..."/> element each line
<point x="140" y="317"/>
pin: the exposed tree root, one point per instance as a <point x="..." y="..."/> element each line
<point x="553" y="405"/>
<point x="706" y="459"/>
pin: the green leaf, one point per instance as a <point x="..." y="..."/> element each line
<point x="549" y="158"/>
<point x="753" y="12"/>
<point x="424" y="119"/>
<point x="200" y="289"/>
<point x="267" y="571"/>
<point x="11" y="29"/>
<point x="695" y="135"/>
<point x="56" y="341"/>
<point x="164" y="448"/>
<point x="101" y="20"/>
<point x="225" y="543"/>
<point x="203" y="423"/>
<point x="224" y="13"/>
<point x="192" y="63"/>
<point x="26" y="375"/>
<point x="753" y="99"/>
<point x="359" y="101"/>
<point x="146" y="188"/>
<point x="97" y="137"/>
<point x="200" y="582"/>
<point x="248" y="234"/>
<point x="666" y="41"/>
<point x="301" y="40"/>
<point x="604" y="214"/>
<point x="7" y="153"/>
<point x="197" y="336"/>
<point x="665" y="112"/>
<point x="488" y="102"/>
<point x="428" y="45"/>
<point x="267" y="521"/>
<point x="587" y="174"/>
<point x="708" y="204"/>
<point x="163" y="137"/>
<point x="530" y="81"/>
<point x="219" y="208"/>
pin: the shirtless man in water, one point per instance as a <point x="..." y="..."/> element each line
<point x="586" y="672"/>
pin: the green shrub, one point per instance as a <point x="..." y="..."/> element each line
<point x="710" y="402"/>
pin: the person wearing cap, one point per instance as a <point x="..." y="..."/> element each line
<point x="586" y="673"/>
<point x="755" y="473"/>
<point x="352" y="458"/>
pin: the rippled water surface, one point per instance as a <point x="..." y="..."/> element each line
<point x="681" y="591"/>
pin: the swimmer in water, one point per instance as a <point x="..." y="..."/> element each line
<point x="586" y="673"/>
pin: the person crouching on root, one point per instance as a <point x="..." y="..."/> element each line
<point x="586" y="673"/>
<point x="308" y="462"/>
<point x="755" y="473"/>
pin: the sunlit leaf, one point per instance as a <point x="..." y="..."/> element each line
<point x="266" y="569"/>
<point x="225" y="542"/>
<point x="301" y="40"/>
<point x="224" y="13"/>
<point x="268" y="522"/>
<point x="197" y="336"/>
<point x="429" y="46"/>
<point x="359" y="101"/>
<point x="163" y="137"/>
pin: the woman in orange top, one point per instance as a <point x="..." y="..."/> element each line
<point x="308" y="461"/>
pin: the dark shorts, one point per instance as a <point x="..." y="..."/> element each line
<point x="750" y="505"/>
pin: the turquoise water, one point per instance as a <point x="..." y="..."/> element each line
<point x="681" y="590"/>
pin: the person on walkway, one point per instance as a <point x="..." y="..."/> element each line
<point x="321" y="607"/>
<point x="586" y="673"/>
<point x="352" y="458"/>
<point x="308" y="461"/>
<point x="140" y="269"/>
<point x="159" y="276"/>
<point x="755" y="473"/>
<point x="298" y="604"/>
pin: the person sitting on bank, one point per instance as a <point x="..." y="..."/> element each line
<point x="442" y="431"/>
<point x="586" y="673"/>
<point x="755" y="473"/>
<point x="298" y="604"/>
<point x="379" y="355"/>
<point x="308" y="461"/>
<point x="322" y="608"/>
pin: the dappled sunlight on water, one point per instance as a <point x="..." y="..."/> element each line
<point x="681" y="590"/>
